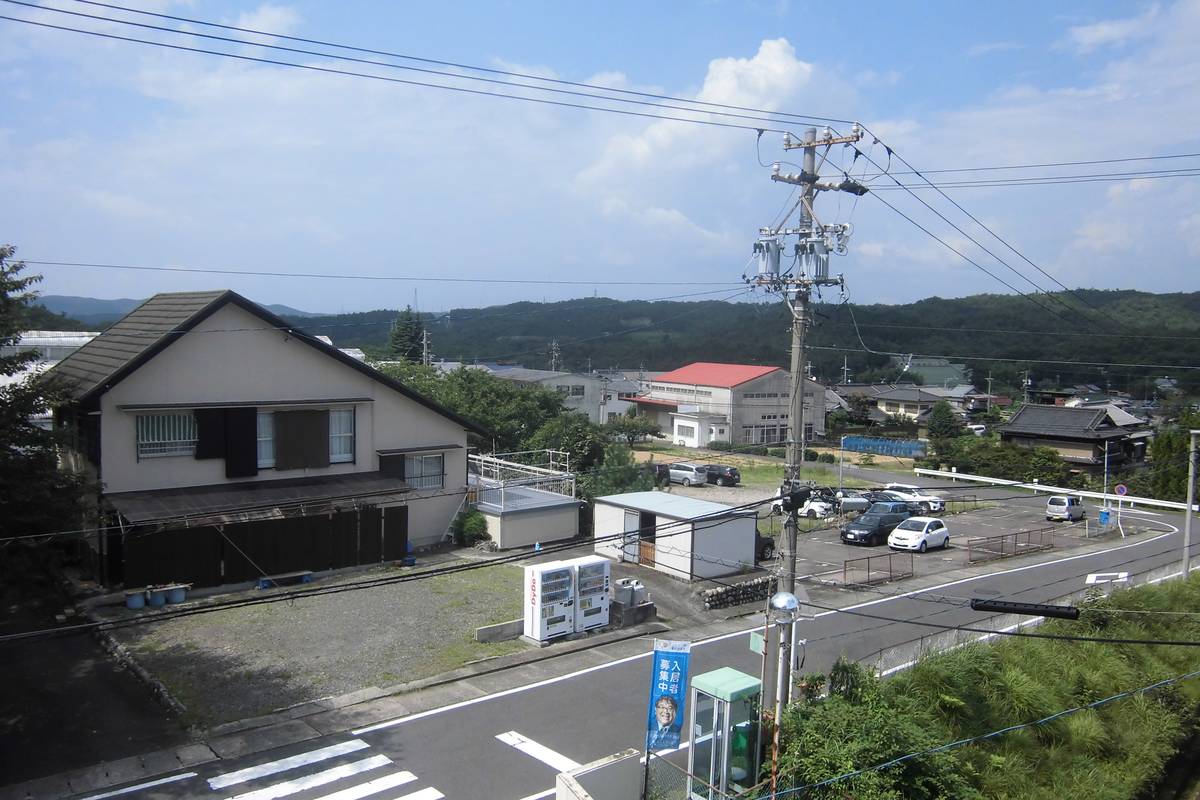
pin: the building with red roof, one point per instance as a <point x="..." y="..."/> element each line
<point x="740" y="403"/>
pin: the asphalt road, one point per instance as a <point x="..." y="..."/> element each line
<point x="509" y="745"/>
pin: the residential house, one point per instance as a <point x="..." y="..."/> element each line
<point x="934" y="371"/>
<point x="229" y="443"/>
<point x="1088" y="437"/>
<point x="904" y="401"/>
<point x="739" y="403"/>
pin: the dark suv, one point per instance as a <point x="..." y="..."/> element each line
<point x="722" y="475"/>
<point x="875" y="524"/>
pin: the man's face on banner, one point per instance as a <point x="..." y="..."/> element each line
<point x="664" y="712"/>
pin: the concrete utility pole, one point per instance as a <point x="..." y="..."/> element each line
<point x="426" y="356"/>
<point x="810" y="268"/>
<point x="845" y="370"/>
<point x="1191" y="499"/>
<point x="989" y="397"/>
<point x="555" y="355"/>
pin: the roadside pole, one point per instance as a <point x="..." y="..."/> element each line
<point x="1191" y="499"/>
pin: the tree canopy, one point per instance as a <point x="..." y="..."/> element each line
<point x="406" y="339"/>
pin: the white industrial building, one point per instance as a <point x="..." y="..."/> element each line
<point x="680" y="536"/>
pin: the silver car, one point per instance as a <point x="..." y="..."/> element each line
<point x="689" y="474"/>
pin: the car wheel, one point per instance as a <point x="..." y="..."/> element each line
<point x="946" y="542"/>
<point x="922" y="548"/>
<point x="687" y="482"/>
<point x="925" y="509"/>
<point x="768" y="551"/>
<point x="1049" y="519"/>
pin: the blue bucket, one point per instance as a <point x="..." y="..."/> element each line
<point x="1104" y="516"/>
<point x="176" y="594"/>
<point x="157" y="597"/>
<point x="135" y="600"/>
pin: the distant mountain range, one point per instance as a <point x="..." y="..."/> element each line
<point x="101" y="313"/>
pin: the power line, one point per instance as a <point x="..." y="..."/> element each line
<point x="457" y="76"/>
<point x="1013" y="359"/>
<point x="1018" y="330"/>
<point x="1043" y="165"/>
<point x="349" y="276"/>
<point x="487" y="70"/>
<point x="997" y="184"/>
<point x="387" y="79"/>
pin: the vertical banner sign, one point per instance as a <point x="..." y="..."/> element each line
<point x="668" y="693"/>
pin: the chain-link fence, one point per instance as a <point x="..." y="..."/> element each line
<point x="668" y="781"/>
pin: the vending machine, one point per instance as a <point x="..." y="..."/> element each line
<point x="592" y="577"/>
<point x="549" y="600"/>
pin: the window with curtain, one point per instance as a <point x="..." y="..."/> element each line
<point x="341" y="435"/>
<point x="425" y="472"/>
<point x="166" y="435"/>
<point x="266" y="439"/>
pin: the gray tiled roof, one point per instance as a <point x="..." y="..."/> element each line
<point x="1079" y="423"/>
<point x="134" y="335"/>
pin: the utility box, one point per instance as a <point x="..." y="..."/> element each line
<point x="593" y="575"/>
<point x="549" y="600"/>
<point x="725" y="732"/>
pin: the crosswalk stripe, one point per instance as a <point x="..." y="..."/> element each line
<point x="171" y="779"/>
<point x="371" y="787"/>
<point x="314" y="780"/>
<point x="424" y="794"/>
<point x="283" y="764"/>
<point x="557" y="761"/>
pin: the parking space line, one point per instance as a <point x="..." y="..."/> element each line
<point x="556" y="761"/>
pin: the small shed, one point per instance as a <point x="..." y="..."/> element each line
<point x="680" y="536"/>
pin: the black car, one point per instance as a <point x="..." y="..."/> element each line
<point x="722" y="475"/>
<point x="659" y="473"/>
<point x="764" y="546"/>
<point x="875" y="524"/>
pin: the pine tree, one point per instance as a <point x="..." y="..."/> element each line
<point x="407" y="335"/>
<point x="35" y="495"/>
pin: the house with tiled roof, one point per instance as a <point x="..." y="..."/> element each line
<point x="229" y="443"/>
<point x="1088" y="437"/>
<point x="739" y="403"/>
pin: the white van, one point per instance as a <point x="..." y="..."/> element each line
<point x="689" y="474"/>
<point x="1063" y="507"/>
<point x="978" y="429"/>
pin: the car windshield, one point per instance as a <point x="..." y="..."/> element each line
<point x="1058" y="501"/>
<point x="879" y="508"/>
<point x="911" y="525"/>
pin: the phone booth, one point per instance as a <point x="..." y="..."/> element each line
<point x="725" y="730"/>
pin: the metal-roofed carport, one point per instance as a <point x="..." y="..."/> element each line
<point x="680" y="536"/>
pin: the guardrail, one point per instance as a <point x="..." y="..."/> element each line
<point x="1007" y="545"/>
<point x="877" y="569"/>
<point x="1039" y="487"/>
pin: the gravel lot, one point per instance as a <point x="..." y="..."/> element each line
<point x="243" y="662"/>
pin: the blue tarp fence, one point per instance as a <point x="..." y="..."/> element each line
<point x="905" y="448"/>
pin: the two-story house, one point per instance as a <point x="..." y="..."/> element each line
<point x="593" y="394"/>
<point x="739" y="403"/>
<point x="229" y="444"/>
<point x="1088" y="437"/>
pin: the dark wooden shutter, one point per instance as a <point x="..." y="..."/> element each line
<point x="210" y="433"/>
<point x="301" y="439"/>
<point x="392" y="465"/>
<point x="241" y="442"/>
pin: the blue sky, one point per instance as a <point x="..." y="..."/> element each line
<point x="124" y="154"/>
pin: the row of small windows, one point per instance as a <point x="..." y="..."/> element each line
<point x="757" y="395"/>
<point x="176" y="435"/>
<point x="682" y="390"/>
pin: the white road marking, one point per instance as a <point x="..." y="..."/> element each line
<point x="1107" y="577"/>
<point x="733" y="634"/>
<point x="557" y="761"/>
<point x="424" y="794"/>
<point x="181" y="776"/>
<point x="291" y="762"/>
<point x="314" y="780"/>
<point x="371" y="787"/>
<point x="539" y="795"/>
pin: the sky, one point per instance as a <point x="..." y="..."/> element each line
<point x="125" y="154"/>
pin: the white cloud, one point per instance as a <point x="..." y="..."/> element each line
<point x="1112" y="32"/>
<point x="987" y="48"/>
<point x="1189" y="229"/>
<point x="272" y="19"/>
<point x="884" y="78"/>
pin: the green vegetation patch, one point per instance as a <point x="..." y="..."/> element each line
<point x="1116" y="749"/>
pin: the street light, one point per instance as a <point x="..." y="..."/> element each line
<point x="784" y="608"/>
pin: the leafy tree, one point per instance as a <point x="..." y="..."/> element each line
<point x="35" y="495"/>
<point x="406" y="339"/>
<point x="943" y="422"/>
<point x="573" y="432"/>
<point x="616" y="474"/>
<point x="860" y="408"/>
<point x="632" y="429"/>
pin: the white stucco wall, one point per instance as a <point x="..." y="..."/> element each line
<point x="673" y="547"/>
<point x="721" y="548"/>
<point x="542" y="525"/>
<point x="607" y="521"/>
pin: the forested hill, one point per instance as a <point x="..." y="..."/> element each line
<point x="1107" y="327"/>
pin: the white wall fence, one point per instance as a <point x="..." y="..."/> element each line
<point x="1128" y="499"/>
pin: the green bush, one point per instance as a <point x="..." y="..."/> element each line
<point x="810" y="455"/>
<point x="777" y="452"/>
<point x="720" y="446"/>
<point x="827" y="458"/>
<point x="469" y="527"/>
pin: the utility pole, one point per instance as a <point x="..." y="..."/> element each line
<point x="426" y="356"/>
<point x="989" y="397"/>
<point x="1191" y="499"/>
<point x="1025" y="384"/>
<point x="810" y="269"/>
<point x="845" y="370"/>
<point x="555" y="355"/>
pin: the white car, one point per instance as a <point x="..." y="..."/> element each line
<point x="812" y="508"/>
<point x="920" y="534"/>
<point x="914" y="494"/>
